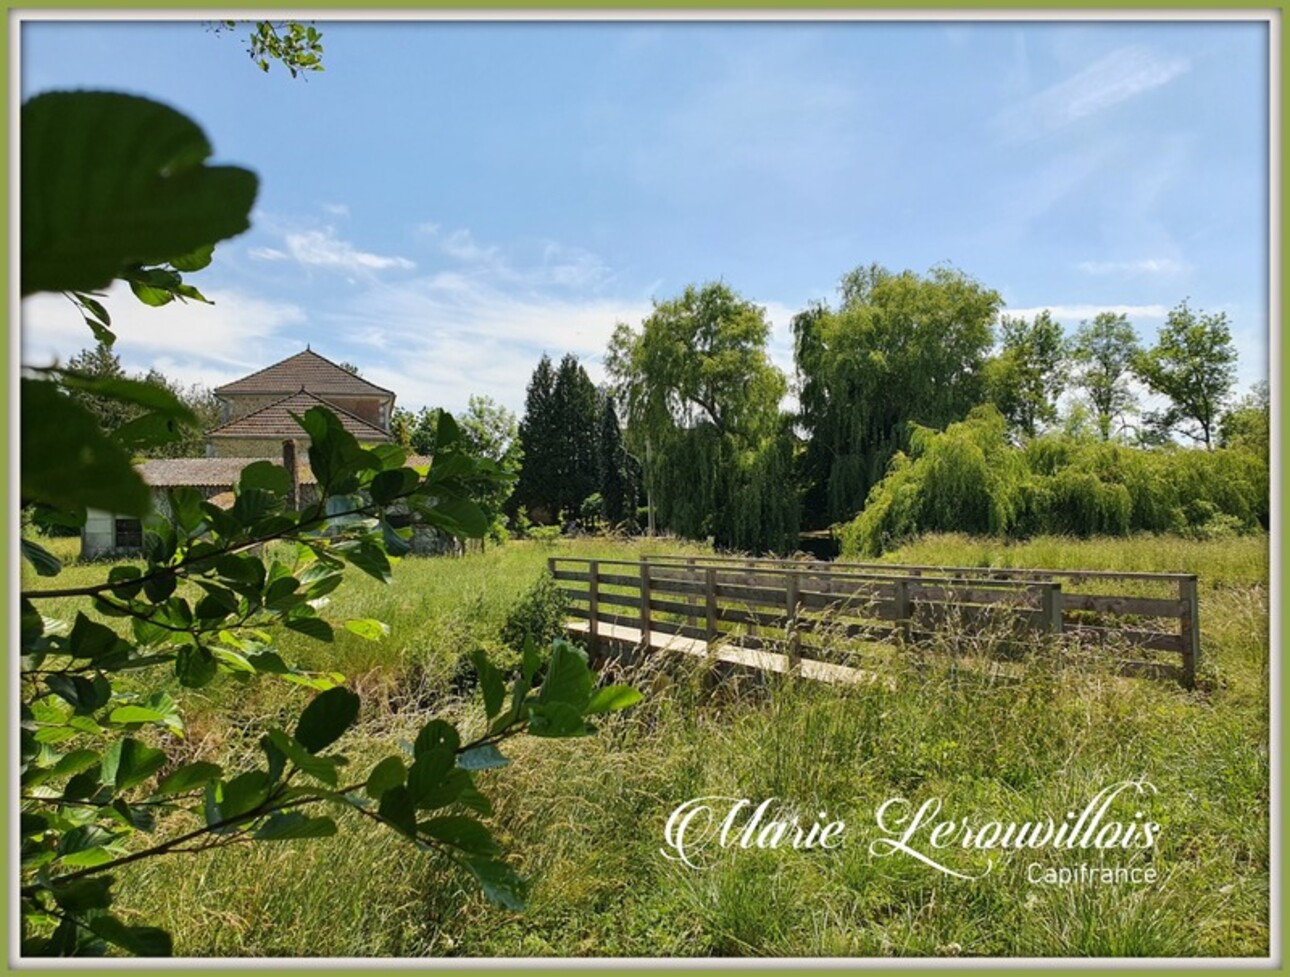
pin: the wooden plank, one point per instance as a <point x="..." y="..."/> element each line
<point x="975" y="595"/>
<point x="621" y="600"/>
<point x="570" y="575"/>
<point x="1155" y="640"/>
<point x="1145" y="606"/>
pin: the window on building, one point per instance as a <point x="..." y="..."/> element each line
<point x="129" y="534"/>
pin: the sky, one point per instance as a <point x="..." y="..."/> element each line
<point x="447" y="201"/>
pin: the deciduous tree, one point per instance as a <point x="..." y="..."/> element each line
<point x="1193" y="364"/>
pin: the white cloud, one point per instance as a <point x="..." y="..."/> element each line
<point x="1133" y="269"/>
<point x="555" y="264"/>
<point x="323" y="249"/>
<point x="337" y="210"/>
<point x="1068" y="314"/>
<point x="1118" y="77"/>
<point x="267" y="254"/>
<point x="238" y="333"/>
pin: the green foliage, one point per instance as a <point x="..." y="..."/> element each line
<point x="296" y="46"/>
<point x="702" y="404"/>
<point x="113" y="184"/>
<point x="1028" y="375"/>
<point x="560" y="434"/>
<point x="969" y="478"/>
<point x="1249" y="423"/>
<point x="1193" y="364"/>
<point x="901" y="350"/>
<point x="1102" y="354"/>
<point x="103" y="785"/>
<point x="490" y="431"/>
<point x="538" y="616"/>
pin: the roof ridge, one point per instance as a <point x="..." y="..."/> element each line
<point x="335" y="408"/>
<point x="303" y="352"/>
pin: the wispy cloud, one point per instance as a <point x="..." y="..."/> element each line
<point x="324" y="248"/>
<point x="553" y="264"/>
<point x="1069" y="314"/>
<point x="337" y="210"/>
<point x="1118" y="77"/>
<point x="1133" y="269"/>
<point x="207" y="343"/>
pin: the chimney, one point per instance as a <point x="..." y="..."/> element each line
<point x="289" y="463"/>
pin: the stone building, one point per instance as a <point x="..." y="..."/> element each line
<point x="256" y="423"/>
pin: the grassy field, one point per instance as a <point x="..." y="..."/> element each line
<point x="583" y="820"/>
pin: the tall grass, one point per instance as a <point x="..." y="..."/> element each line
<point x="584" y="819"/>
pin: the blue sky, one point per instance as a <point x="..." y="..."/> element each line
<point x="448" y="200"/>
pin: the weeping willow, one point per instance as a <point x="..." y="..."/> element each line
<point x="708" y="486"/>
<point x="970" y="478"/>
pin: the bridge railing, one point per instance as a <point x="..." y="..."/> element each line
<point x="803" y="608"/>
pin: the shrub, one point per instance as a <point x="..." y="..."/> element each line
<point x="539" y="615"/>
<point x="969" y="478"/>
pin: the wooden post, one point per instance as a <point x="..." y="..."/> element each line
<point x="1189" y="594"/>
<point x="794" y="638"/>
<point x="901" y="611"/>
<point x="1050" y="608"/>
<point x="645" y="620"/>
<point x="593" y="605"/>
<point x="690" y="598"/>
<point x="710" y="595"/>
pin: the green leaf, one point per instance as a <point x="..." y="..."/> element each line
<point x="313" y="627"/>
<point x="189" y="777"/>
<point x="265" y="475"/>
<point x="88" y="469"/>
<point x="461" y="832"/>
<point x="369" y="558"/>
<point x="500" y="883"/>
<point x="366" y="627"/>
<point x="390" y="485"/>
<point x="568" y="678"/>
<point x="194" y="260"/>
<point x="83" y="694"/>
<point x="195" y="666"/>
<point x="109" y="180"/>
<point x="151" y="396"/>
<point x="612" y="698"/>
<point x="491" y="682"/>
<point x="142" y="941"/>
<point x="148" y="431"/>
<point x="437" y="735"/>
<point x="43" y="561"/>
<point x="486" y="757"/>
<point x="428" y="776"/>
<point x="320" y="768"/>
<point x="127" y="762"/>
<point x="124" y="715"/>
<point x="397" y="808"/>
<point x="292" y="825"/>
<point x="84" y="894"/>
<point x="326" y="718"/>
<point x="243" y="793"/>
<point x="557" y="719"/>
<point x="387" y="774"/>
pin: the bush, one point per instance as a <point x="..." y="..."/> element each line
<point x="540" y="614"/>
<point x="969" y="478"/>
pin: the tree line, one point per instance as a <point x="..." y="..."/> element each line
<point x="701" y="404"/>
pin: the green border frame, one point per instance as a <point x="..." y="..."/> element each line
<point x="1279" y="208"/>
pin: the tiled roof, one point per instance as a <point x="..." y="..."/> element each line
<point x="306" y="370"/>
<point x="276" y="423"/>
<point x="224" y="472"/>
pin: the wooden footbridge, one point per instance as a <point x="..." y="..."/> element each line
<point x="807" y="616"/>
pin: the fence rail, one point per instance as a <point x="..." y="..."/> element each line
<point x="795" y="609"/>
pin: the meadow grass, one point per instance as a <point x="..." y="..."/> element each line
<point x="583" y="820"/>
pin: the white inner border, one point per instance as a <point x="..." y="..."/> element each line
<point x="1270" y="17"/>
